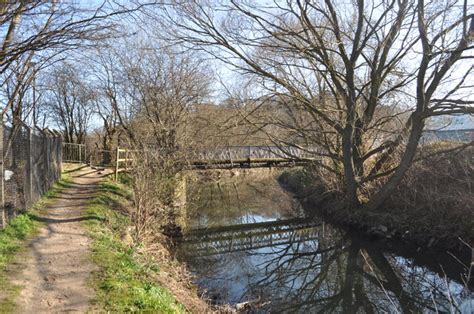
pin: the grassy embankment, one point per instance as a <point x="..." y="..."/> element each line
<point x="433" y="206"/>
<point x="131" y="277"/>
<point x="13" y="240"/>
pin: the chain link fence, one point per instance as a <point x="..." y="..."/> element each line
<point x="31" y="164"/>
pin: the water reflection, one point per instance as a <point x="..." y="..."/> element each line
<point x="294" y="265"/>
<point x="238" y="201"/>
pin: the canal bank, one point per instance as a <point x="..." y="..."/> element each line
<point x="432" y="208"/>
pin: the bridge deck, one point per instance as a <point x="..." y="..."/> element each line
<point x="250" y="163"/>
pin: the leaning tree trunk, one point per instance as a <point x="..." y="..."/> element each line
<point x="351" y="185"/>
<point x="410" y="151"/>
<point x="349" y="177"/>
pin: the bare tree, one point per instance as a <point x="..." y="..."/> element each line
<point x="337" y="70"/>
<point x="37" y="32"/>
<point x="164" y="87"/>
<point x="70" y="102"/>
<point x="147" y="95"/>
<point x="153" y="91"/>
<point x="34" y="26"/>
<point x="108" y="134"/>
<point x="15" y="88"/>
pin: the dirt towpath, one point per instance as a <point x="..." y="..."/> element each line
<point x="56" y="264"/>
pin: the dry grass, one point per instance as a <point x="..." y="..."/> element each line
<point x="437" y="194"/>
<point x="434" y="204"/>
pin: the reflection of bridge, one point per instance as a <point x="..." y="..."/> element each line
<point x="252" y="156"/>
<point x="218" y="240"/>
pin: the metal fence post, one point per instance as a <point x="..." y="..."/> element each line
<point x="59" y="142"/>
<point x="46" y="159"/>
<point x="80" y="153"/>
<point x="29" y="169"/>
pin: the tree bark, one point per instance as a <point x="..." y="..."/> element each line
<point x="409" y="154"/>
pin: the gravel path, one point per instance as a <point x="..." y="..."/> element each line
<point x="57" y="265"/>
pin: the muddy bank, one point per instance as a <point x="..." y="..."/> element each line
<point x="417" y="225"/>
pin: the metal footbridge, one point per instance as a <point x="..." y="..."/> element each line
<point x="252" y="157"/>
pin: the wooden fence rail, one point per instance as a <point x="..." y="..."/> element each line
<point x="122" y="156"/>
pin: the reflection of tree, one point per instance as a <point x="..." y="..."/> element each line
<point x="336" y="277"/>
<point x="320" y="270"/>
<point x="234" y="202"/>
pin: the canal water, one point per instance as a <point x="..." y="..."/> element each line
<point x="248" y="244"/>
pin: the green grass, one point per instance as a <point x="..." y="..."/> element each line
<point x="12" y="237"/>
<point x="123" y="284"/>
<point x="12" y="240"/>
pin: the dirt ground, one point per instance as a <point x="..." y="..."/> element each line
<point x="56" y="264"/>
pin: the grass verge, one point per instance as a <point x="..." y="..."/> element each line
<point x="13" y="239"/>
<point x="123" y="283"/>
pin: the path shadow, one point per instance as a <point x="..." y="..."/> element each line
<point x="66" y="220"/>
<point x="72" y="198"/>
<point x="56" y="264"/>
<point x="76" y="169"/>
<point x="86" y="174"/>
<point x="98" y="173"/>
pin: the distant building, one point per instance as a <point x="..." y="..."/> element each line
<point x="430" y="136"/>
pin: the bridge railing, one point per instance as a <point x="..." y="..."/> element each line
<point x="74" y="153"/>
<point x="259" y="152"/>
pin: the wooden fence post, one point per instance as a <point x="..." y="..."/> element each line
<point x="126" y="159"/>
<point x="117" y="163"/>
